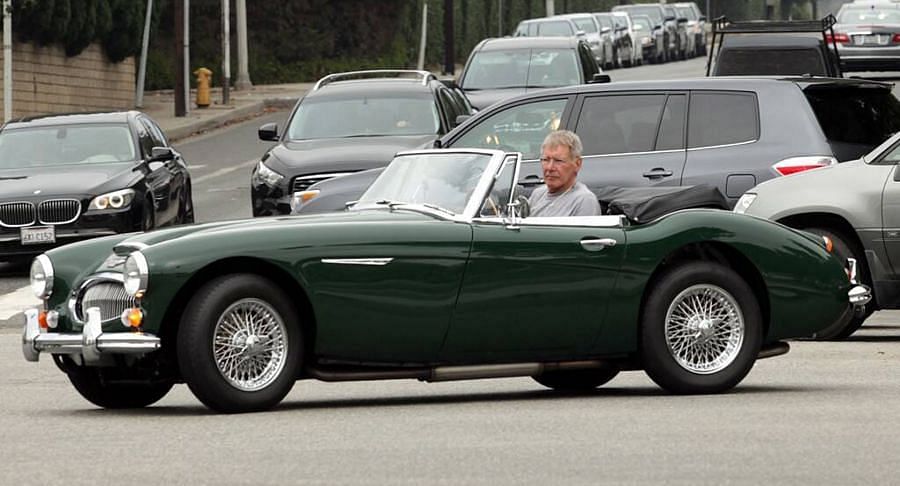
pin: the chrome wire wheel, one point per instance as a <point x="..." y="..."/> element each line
<point x="250" y="345"/>
<point x="704" y="329"/>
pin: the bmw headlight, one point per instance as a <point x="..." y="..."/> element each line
<point x="744" y="203"/>
<point x="266" y="175"/>
<point x="112" y="200"/>
<point x="41" y="277"/>
<point x="135" y="273"/>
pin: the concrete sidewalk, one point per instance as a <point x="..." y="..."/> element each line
<point x="244" y="104"/>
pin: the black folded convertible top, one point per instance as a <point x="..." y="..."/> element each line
<point x="643" y="204"/>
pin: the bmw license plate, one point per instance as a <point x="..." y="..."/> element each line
<point x="36" y="235"/>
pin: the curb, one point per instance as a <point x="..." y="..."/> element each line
<point x="216" y="121"/>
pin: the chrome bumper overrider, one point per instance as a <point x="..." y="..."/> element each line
<point x="859" y="295"/>
<point x="90" y="343"/>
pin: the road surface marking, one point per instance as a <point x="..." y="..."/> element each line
<point x="242" y="165"/>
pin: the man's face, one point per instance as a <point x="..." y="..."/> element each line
<point x="559" y="167"/>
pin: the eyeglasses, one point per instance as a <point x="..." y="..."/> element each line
<point x="553" y="161"/>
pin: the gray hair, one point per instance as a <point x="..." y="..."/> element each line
<point x="564" y="138"/>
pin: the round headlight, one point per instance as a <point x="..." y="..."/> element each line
<point x="135" y="273"/>
<point x="41" y="277"/>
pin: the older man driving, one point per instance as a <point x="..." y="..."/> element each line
<point x="562" y="194"/>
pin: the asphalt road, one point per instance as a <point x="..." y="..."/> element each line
<point x="822" y="414"/>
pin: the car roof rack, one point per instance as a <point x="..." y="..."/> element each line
<point x="722" y="26"/>
<point x="424" y="76"/>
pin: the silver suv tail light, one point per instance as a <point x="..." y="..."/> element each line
<point x="793" y="165"/>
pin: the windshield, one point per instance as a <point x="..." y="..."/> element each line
<point x="585" y="24"/>
<point x="686" y="12"/>
<point x="604" y="20"/>
<point x="869" y="16"/>
<point x="652" y="12"/>
<point x="519" y="68"/>
<point x="370" y="116"/>
<point x="557" y="28"/>
<point x="644" y="22"/>
<point x="443" y="180"/>
<point x="66" y="145"/>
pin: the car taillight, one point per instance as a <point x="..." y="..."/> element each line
<point x="896" y="38"/>
<point x="838" y="38"/>
<point x="800" y="164"/>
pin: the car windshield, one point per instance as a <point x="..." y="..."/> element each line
<point x="443" y="181"/>
<point x="366" y="116"/>
<point x="518" y="68"/>
<point x="869" y="16"/>
<point x="585" y="24"/>
<point x="644" y="22"/>
<point x="652" y="12"/>
<point x="556" y="28"/>
<point x="66" y="145"/>
<point x="686" y="12"/>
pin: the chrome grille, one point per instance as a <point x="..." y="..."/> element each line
<point x="302" y="183"/>
<point x="59" y="211"/>
<point x="110" y="297"/>
<point x="15" y="214"/>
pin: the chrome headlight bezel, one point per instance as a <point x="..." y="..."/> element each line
<point x="135" y="274"/>
<point x="744" y="202"/>
<point x="41" y="276"/>
<point x="120" y="199"/>
<point x="267" y="175"/>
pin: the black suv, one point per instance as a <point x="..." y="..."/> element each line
<point x="732" y="133"/>
<point x="350" y="122"/>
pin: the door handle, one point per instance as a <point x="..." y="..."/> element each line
<point x="597" y="244"/>
<point x="657" y="173"/>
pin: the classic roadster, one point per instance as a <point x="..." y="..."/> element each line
<point x="435" y="274"/>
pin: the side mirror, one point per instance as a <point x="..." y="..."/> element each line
<point x="600" y="78"/>
<point x="161" y="154"/>
<point x="268" y="132"/>
<point x="605" y="30"/>
<point x="516" y="210"/>
<point x="702" y="18"/>
<point x="670" y="18"/>
<point x="462" y="118"/>
<point x="437" y="142"/>
<point x="683" y="20"/>
<point x="580" y="33"/>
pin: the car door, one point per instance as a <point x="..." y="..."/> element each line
<point x="534" y="292"/>
<point x="632" y="139"/>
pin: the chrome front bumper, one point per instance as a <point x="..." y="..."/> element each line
<point x="91" y="343"/>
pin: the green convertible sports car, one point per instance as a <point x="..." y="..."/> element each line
<point x="436" y="273"/>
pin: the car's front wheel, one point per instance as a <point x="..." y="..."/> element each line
<point x="108" y="393"/>
<point x="239" y="344"/>
<point x="576" y="380"/>
<point x="701" y="329"/>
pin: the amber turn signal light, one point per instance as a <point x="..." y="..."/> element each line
<point x="132" y="318"/>
<point x="829" y="246"/>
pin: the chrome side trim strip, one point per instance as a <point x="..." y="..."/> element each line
<point x="722" y="146"/>
<point x="378" y="262"/>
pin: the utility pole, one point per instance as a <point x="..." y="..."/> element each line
<point x="243" y="77"/>
<point x="449" y="61"/>
<point x="226" y="52"/>
<point x="7" y="60"/>
<point x="180" y="79"/>
<point x="549" y="4"/>
<point x="421" y="64"/>
<point x="499" y="18"/>
<point x="142" y="69"/>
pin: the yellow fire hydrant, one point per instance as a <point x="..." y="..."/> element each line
<point x="204" y="80"/>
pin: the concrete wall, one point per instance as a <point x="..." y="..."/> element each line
<point x="46" y="81"/>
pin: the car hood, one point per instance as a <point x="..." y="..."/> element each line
<point x="60" y="180"/>
<point x="340" y="154"/>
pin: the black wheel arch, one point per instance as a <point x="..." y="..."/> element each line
<point x="717" y="252"/>
<point x="238" y="265"/>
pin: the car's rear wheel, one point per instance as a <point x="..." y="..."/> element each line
<point x="93" y="386"/>
<point x="701" y="329"/>
<point x="239" y="344"/>
<point x="843" y="248"/>
<point x="576" y="380"/>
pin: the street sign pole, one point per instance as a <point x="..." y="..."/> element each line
<point x="7" y="60"/>
<point x="142" y="69"/>
<point x="226" y="52"/>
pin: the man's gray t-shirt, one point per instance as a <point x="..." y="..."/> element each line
<point x="577" y="201"/>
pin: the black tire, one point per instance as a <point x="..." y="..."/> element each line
<point x="91" y="385"/>
<point x="844" y="247"/>
<point x="734" y="354"/>
<point x="197" y="358"/>
<point x="576" y="380"/>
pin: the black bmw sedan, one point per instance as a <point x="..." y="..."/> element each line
<point x="65" y="178"/>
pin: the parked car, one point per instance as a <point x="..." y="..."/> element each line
<point x="668" y="30"/>
<point x="402" y="286"/>
<point x="649" y="39"/>
<point x="732" y="133"/>
<point x="628" y="55"/>
<point x="696" y="25"/>
<point x="70" y="177"/>
<point x="592" y="33"/>
<point x="557" y="26"/>
<point x="607" y="38"/>
<point x="349" y="122"/>
<point x="683" y="42"/>
<point x="867" y="37"/>
<point x="502" y="68"/>
<point x="853" y="205"/>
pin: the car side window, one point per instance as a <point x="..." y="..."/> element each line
<point x="671" y="128"/>
<point x="144" y="138"/>
<point x="722" y="119"/>
<point x="618" y="124"/>
<point x="156" y="135"/>
<point x="521" y="128"/>
<point x="588" y="64"/>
